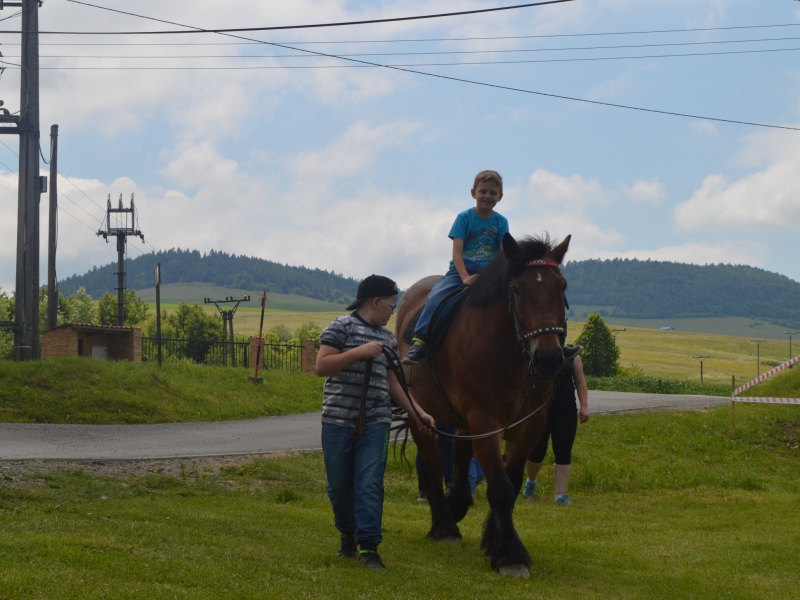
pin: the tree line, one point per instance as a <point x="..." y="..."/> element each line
<point x="219" y="268"/>
<point x="655" y="289"/>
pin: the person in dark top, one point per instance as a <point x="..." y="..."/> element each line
<point x="562" y="425"/>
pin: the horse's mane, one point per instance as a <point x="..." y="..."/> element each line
<point x="497" y="275"/>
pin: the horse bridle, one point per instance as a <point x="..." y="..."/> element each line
<point x="521" y="335"/>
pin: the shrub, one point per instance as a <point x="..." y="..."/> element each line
<point x="600" y="355"/>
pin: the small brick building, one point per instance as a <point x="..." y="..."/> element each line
<point x="93" y="341"/>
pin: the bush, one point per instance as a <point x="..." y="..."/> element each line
<point x="600" y="354"/>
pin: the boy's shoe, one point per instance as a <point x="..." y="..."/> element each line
<point x="571" y="352"/>
<point x="347" y="548"/>
<point x="562" y="499"/>
<point x="529" y="491"/>
<point x="415" y="355"/>
<point x="370" y="559"/>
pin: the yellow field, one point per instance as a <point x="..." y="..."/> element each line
<point x="661" y="353"/>
<point x="669" y="354"/>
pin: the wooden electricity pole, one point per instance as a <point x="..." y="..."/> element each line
<point x="52" y="291"/>
<point x="26" y="330"/>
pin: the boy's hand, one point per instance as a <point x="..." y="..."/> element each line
<point x="427" y="424"/>
<point x="470" y="279"/>
<point x="369" y="350"/>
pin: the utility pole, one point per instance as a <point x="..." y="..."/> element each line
<point x="758" y="359"/>
<point x="790" y="334"/>
<point x="158" y="312"/>
<point x="227" y="317"/>
<point x="52" y="291"/>
<point x="702" y="358"/>
<point x="615" y="332"/>
<point x="125" y="224"/>
<point x="26" y="329"/>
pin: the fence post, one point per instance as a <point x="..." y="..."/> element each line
<point x="253" y="352"/>
<point x="308" y="353"/>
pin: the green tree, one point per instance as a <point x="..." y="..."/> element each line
<point x="188" y="322"/>
<point x="600" y="353"/>
<point x="136" y="309"/>
<point x="6" y="335"/>
<point x="80" y="308"/>
<point x="308" y="331"/>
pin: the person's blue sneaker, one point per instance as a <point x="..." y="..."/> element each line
<point x="562" y="499"/>
<point x="529" y="491"/>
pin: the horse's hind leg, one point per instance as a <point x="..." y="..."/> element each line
<point x="459" y="497"/>
<point x="500" y="540"/>
<point x="443" y="526"/>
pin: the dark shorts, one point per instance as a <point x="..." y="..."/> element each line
<point x="561" y="427"/>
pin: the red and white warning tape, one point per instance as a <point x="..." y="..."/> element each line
<point x="764" y="400"/>
<point x="761" y="378"/>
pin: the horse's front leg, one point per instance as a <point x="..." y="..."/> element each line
<point x="500" y="540"/>
<point x="443" y="526"/>
<point x="459" y="497"/>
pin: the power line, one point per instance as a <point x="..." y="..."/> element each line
<point x="423" y="40"/>
<point x="287" y="27"/>
<point x="473" y="82"/>
<point x="397" y="65"/>
<point x="430" y="53"/>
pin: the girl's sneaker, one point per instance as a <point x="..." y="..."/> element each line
<point x="529" y="491"/>
<point x="562" y="499"/>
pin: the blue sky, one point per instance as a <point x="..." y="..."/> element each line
<point x="361" y="170"/>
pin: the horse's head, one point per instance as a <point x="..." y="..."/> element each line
<point x="538" y="304"/>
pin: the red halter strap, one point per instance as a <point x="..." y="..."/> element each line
<point x="542" y="262"/>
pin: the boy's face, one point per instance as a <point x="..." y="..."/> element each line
<point x="486" y="194"/>
<point x="384" y="309"/>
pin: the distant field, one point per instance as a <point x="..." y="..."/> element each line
<point x="741" y="326"/>
<point x="670" y="354"/>
<point x="195" y="292"/>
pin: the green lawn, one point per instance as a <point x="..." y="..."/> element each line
<point x="665" y="505"/>
<point x="78" y="390"/>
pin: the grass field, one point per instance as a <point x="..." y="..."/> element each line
<point x="665" y="505"/>
<point x="77" y="390"/>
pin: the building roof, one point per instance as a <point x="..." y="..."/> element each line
<point x="95" y="327"/>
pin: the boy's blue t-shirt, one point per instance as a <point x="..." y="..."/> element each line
<point x="482" y="237"/>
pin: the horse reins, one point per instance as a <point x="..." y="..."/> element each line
<point x="394" y="362"/>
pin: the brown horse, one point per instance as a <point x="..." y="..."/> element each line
<point x="496" y="366"/>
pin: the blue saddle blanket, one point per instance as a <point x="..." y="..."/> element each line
<point x="440" y="322"/>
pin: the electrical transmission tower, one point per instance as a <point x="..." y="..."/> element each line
<point x="125" y="224"/>
<point x="227" y="317"/>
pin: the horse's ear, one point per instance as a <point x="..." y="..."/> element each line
<point x="557" y="253"/>
<point x="510" y="247"/>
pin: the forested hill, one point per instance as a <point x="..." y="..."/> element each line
<point x="653" y="289"/>
<point x="624" y="288"/>
<point x="242" y="272"/>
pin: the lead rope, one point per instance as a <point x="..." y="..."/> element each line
<point x="394" y="361"/>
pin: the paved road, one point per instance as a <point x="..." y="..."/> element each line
<point x="256" y="436"/>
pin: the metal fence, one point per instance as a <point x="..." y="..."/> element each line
<point x="285" y="357"/>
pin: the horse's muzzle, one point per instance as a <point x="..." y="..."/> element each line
<point x="547" y="363"/>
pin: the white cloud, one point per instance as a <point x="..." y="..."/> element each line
<point x="761" y="200"/>
<point x="558" y="205"/>
<point x="646" y="192"/>
<point x="354" y="150"/>
<point x="706" y="128"/>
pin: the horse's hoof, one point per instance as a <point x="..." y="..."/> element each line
<point x="449" y="541"/>
<point x="515" y="571"/>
